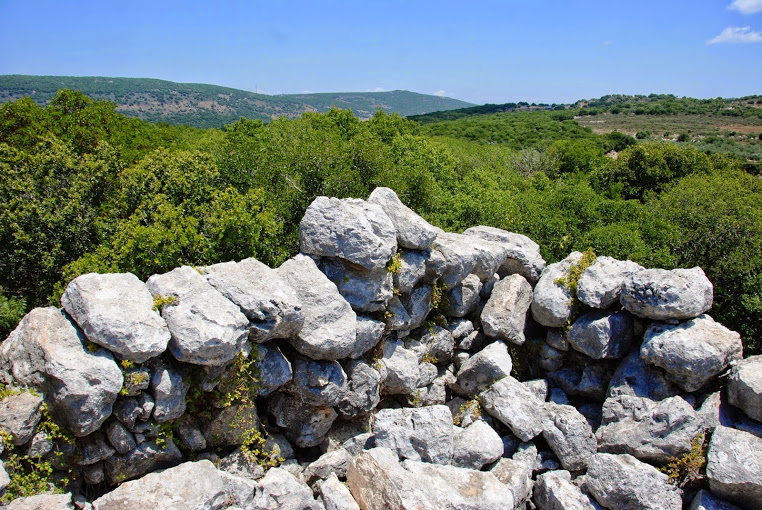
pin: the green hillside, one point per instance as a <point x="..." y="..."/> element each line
<point x="202" y="105"/>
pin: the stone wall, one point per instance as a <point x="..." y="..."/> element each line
<point x="425" y="369"/>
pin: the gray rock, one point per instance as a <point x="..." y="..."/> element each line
<point x="94" y="449"/>
<point x="491" y="256"/>
<point x="539" y="387"/>
<point x="365" y="290"/>
<point x="412" y="270"/>
<point x="460" y="328"/>
<point x="207" y="328"/>
<point x="636" y="378"/>
<point x="555" y="491"/>
<point x="116" y="311"/>
<point x="484" y="368"/>
<point x="551" y="358"/>
<point x="229" y="426"/>
<point x="330" y="325"/>
<point x="734" y="467"/>
<point x="602" y="334"/>
<point x="318" y="383"/>
<point x="745" y="386"/>
<point x="715" y="411"/>
<point x="302" y="424"/>
<point x="355" y="444"/>
<point x="280" y="490"/>
<point x="127" y="410"/>
<point x="552" y="300"/>
<point x="692" y="352"/>
<point x="396" y="316"/>
<point x="47" y="352"/>
<point x="522" y="254"/>
<point x="623" y="482"/>
<point x="336" y="495"/>
<point x="190" y="434"/>
<point x="660" y="294"/>
<point x="333" y="462"/>
<point x="5" y="480"/>
<point x="136" y="379"/>
<point x="517" y="476"/>
<point x="168" y="390"/>
<point x="42" y="502"/>
<point x="648" y="430"/>
<point x="170" y="489"/>
<point x="146" y="405"/>
<point x="272" y="306"/>
<point x="378" y="482"/>
<point x="437" y="344"/>
<point x="505" y="313"/>
<point x="148" y="456"/>
<point x="40" y="445"/>
<point x="476" y="445"/>
<point x="458" y="257"/>
<point x="351" y="229"/>
<point x="569" y="435"/>
<point x="242" y="464"/>
<point x="275" y="370"/>
<point x="515" y="406"/>
<point x="558" y="396"/>
<point x="363" y="389"/>
<point x="556" y="339"/>
<point x="417" y="305"/>
<point x="463" y="298"/>
<point x="423" y="433"/>
<point x="704" y="500"/>
<point x="119" y="437"/>
<point x="413" y="232"/>
<point x="600" y="284"/>
<point x="369" y="333"/>
<point x="278" y="447"/>
<point x="401" y="367"/>
<point x="488" y="286"/>
<point x="19" y="415"/>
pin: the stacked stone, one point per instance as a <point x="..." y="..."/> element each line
<point x="384" y="360"/>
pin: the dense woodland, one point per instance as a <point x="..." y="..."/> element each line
<point x="86" y="189"/>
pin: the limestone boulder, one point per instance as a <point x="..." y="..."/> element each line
<point x="600" y="285"/>
<point x="19" y="415"/>
<point x="336" y="495"/>
<point x="505" y="313"/>
<point x="705" y="500"/>
<point x="464" y="297"/>
<point x="554" y="490"/>
<point x="552" y="299"/>
<point x="662" y="294"/>
<point x="454" y="257"/>
<point x="318" y="383"/>
<point x="43" y="502"/>
<point x="401" y="368"/>
<point x="484" y="368"/>
<point x="522" y="254"/>
<point x="302" y="424"/>
<point x="168" y="390"/>
<point x="569" y="435"/>
<point x="636" y="378"/>
<point x="365" y="290"/>
<point x="413" y="232"/>
<point x="602" y="334"/>
<point x="363" y="389"/>
<point x="517" y="476"/>
<point x="369" y="333"/>
<point x="274" y="368"/>
<point x="745" y="386"/>
<point x="515" y="406"/>
<point x="423" y="433"/>
<point x="147" y="457"/>
<point x="476" y="445"/>
<point x="734" y="467"/>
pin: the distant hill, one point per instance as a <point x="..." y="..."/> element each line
<point x="204" y="105"/>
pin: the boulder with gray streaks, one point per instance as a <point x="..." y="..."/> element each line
<point x="280" y="490"/>
<point x="350" y="229"/>
<point x="602" y="334"/>
<point x="552" y="299"/>
<point x="207" y="328"/>
<point x="484" y="368"/>
<point x="274" y="368"/>
<point x="464" y="297"/>
<point x="517" y="476"/>
<point x="148" y="456"/>
<point x="318" y="383"/>
<point x="734" y="467"/>
<point x="43" y="502"/>
<point x="336" y="495"/>
<point x="411" y="271"/>
<point x="569" y="436"/>
<point x="554" y="490"/>
<point x="505" y="313"/>
<point x="302" y="424"/>
<point x="515" y="406"/>
<point x="476" y="445"/>
<point x="401" y="367"/>
<point x="457" y="258"/>
<point x="745" y="386"/>
<point x="366" y="290"/>
<point x="369" y="333"/>
<point x="423" y="433"/>
<point x="417" y="304"/>
<point x="600" y="285"/>
<point x="491" y="256"/>
<point x="329" y="331"/>
<point x="168" y="390"/>
<point x="624" y="482"/>
<point x="636" y="378"/>
<point x="692" y="352"/>
<point x="662" y="294"/>
<point x="47" y="352"/>
<point x="19" y="415"/>
<point x="413" y="232"/>
<point x="522" y="254"/>
<point x="271" y="305"/>
<point x="363" y="389"/>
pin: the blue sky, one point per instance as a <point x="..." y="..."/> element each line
<point x="491" y="51"/>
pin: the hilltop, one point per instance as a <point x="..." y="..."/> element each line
<point x="203" y="105"/>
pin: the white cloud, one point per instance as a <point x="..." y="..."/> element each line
<point x="307" y="91"/>
<point x="379" y="89"/>
<point x="440" y="93"/>
<point x="742" y="35"/>
<point x="746" y="6"/>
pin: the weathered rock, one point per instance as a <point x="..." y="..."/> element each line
<point x="552" y="300"/>
<point x="275" y="370"/>
<point x="600" y="284"/>
<point x="485" y="367"/>
<point x="136" y="379"/>
<point x="190" y="433"/>
<point x="279" y="447"/>
<point x="602" y="334"/>
<point x="692" y="352"/>
<point x="240" y="463"/>
<point x="550" y="358"/>
<point x="411" y="271"/>
<point x="272" y="306"/>
<point x="648" y="430"/>
<point x="704" y="500"/>
<point x="40" y="445"/>
<point x="401" y="367"/>
<point x="229" y="426"/>
<point x="734" y="467"/>
<point x="515" y="406"/>
<point x="660" y="294"/>
<point x="94" y="449"/>
<point x="636" y="378"/>
<point x="350" y="229"/>
<point x="170" y="489"/>
<point x="329" y="331"/>
<point x="522" y="254"/>
<point x="463" y="298"/>
<point x="556" y="339"/>
<point x="623" y="482"/>
<point x="363" y="389"/>
<point x="148" y="456"/>
<point x="168" y="390"/>
<point x="47" y="352"/>
<point x="127" y="410"/>
<point x="43" y="502"/>
<point x="280" y="490"/>
<point x="302" y="424"/>
<point x="436" y="344"/>
<point x="396" y="316"/>
<point x="745" y="386"/>
<point x="491" y="256"/>
<point x="569" y="436"/>
<point x="19" y="415"/>
<point x="336" y="461"/>
<point x="5" y="480"/>
<point x="423" y="433"/>
<point x="458" y="258"/>
<point x="555" y="491"/>
<point x="318" y="383"/>
<point x="590" y="381"/>
<point x="369" y="333"/>
<point x="476" y="445"/>
<point x="505" y="313"/>
<point x="417" y="305"/>
<point x="116" y="311"/>
<point x="517" y="476"/>
<point x="413" y="232"/>
<point x="366" y="290"/>
<point x="119" y="437"/>
<point x="539" y="387"/>
<point x="336" y="495"/>
<point x="460" y="328"/>
<point x="207" y="328"/>
<point x="378" y="482"/>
